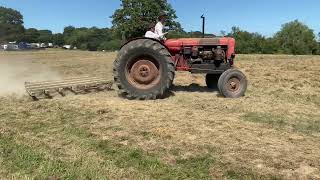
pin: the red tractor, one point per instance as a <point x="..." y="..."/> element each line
<point x="145" y="68"/>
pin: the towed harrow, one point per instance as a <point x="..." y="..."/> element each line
<point x="79" y="85"/>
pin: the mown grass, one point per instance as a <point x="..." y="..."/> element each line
<point x="266" y="118"/>
<point x="271" y="133"/>
<point x="236" y="174"/>
<point x="304" y="125"/>
<point x="36" y="159"/>
<point x="307" y="126"/>
<point x="25" y="160"/>
<point x="21" y="160"/>
<point x="38" y="162"/>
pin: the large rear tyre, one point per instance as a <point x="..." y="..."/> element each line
<point x="232" y="84"/>
<point x="212" y="80"/>
<point x="143" y="70"/>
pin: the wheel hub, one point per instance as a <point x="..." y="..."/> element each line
<point x="144" y="71"/>
<point x="234" y="84"/>
<point x="143" y="74"/>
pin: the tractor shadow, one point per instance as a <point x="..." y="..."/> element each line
<point x="193" y="88"/>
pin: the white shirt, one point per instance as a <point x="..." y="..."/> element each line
<point x="159" y="30"/>
<point x="150" y="34"/>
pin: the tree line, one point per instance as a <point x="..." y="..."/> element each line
<point x="131" y="20"/>
<point x="93" y="39"/>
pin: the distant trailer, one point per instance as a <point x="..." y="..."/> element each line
<point x="5" y="47"/>
<point x="11" y="47"/>
<point x="66" y="47"/>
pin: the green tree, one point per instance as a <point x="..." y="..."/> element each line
<point x="269" y="46"/>
<point x="31" y="35"/>
<point x="45" y="36"/>
<point x="134" y="16"/>
<point x="247" y="42"/>
<point x="58" y="39"/>
<point x="90" y="38"/>
<point x="67" y="33"/>
<point x="11" y="24"/>
<point x="111" y="45"/>
<point x="177" y="34"/>
<point x="296" y="38"/>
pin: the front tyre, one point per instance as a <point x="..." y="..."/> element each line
<point x="143" y="70"/>
<point x="232" y="84"/>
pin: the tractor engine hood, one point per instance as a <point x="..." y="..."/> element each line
<point x="176" y="45"/>
<point x="199" y="42"/>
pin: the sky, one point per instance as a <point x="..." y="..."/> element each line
<point x="263" y="16"/>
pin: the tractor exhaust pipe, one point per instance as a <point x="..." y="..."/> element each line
<point x="203" y="25"/>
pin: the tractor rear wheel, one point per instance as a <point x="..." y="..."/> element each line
<point x="143" y="70"/>
<point x="212" y="80"/>
<point x="232" y="83"/>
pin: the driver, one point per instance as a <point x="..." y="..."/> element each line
<point x="151" y="32"/>
<point x="160" y="26"/>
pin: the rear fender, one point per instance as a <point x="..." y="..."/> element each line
<point x="162" y="43"/>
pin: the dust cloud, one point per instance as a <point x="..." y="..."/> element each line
<point x="14" y="72"/>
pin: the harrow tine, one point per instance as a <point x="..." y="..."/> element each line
<point x="47" y="89"/>
<point x="60" y="91"/>
<point x="73" y="90"/>
<point x="47" y="94"/>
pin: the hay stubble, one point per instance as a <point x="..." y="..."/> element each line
<point x="271" y="132"/>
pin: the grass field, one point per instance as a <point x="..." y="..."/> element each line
<point x="271" y="133"/>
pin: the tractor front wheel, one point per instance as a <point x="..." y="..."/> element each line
<point x="232" y="83"/>
<point x="143" y="70"/>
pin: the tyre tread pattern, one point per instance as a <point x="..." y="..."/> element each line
<point x="223" y="79"/>
<point x="156" y="46"/>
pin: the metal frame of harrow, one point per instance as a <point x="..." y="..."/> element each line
<point x="45" y="89"/>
